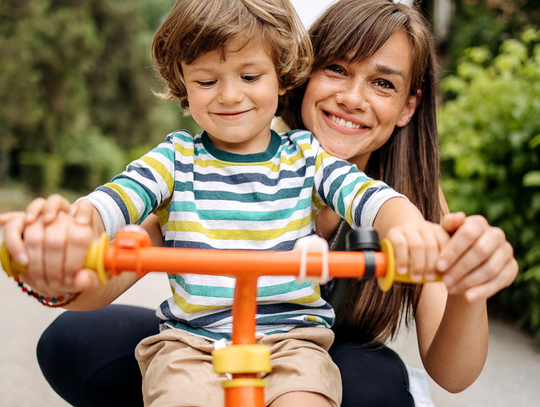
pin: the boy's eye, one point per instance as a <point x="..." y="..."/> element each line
<point x="385" y="84"/>
<point x="206" y="84"/>
<point x="250" y="78"/>
<point x="336" y="68"/>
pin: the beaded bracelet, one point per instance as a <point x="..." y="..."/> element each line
<point x="51" y="302"/>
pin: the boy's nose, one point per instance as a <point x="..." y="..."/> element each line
<point x="230" y="93"/>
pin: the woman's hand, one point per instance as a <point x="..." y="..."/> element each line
<point x="53" y="247"/>
<point x="478" y="261"/>
<point x="416" y="247"/>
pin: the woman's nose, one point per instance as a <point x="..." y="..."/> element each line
<point x="353" y="96"/>
<point x="229" y="93"/>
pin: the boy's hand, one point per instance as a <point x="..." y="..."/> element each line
<point x="416" y="247"/>
<point x="478" y="261"/>
<point x="54" y="251"/>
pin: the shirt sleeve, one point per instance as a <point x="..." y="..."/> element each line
<point x="135" y="193"/>
<point x="347" y="190"/>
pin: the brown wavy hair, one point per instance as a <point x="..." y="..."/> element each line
<point x="195" y="27"/>
<point x="354" y="30"/>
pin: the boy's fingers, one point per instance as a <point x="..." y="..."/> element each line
<point x="434" y="239"/>
<point x="34" y="236"/>
<point x="401" y="251"/>
<point x="80" y="238"/>
<point x="417" y="255"/>
<point x="55" y="242"/>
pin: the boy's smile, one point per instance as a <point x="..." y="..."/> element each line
<point x="234" y="98"/>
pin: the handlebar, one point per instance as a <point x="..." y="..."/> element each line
<point x="133" y="251"/>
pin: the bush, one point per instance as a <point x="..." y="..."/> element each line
<point x="40" y="171"/>
<point x="490" y="132"/>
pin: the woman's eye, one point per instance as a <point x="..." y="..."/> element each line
<point x="336" y="68"/>
<point x="383" y="83"/>
<point x="206" y="84"/>
<point x="250" y="78"/>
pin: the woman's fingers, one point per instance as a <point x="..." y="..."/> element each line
<point x="489" y="288"/>
<point x="83" y="212"/>
<point x="55" y="204"/>
<point x="497" y="272"/>
<point x="452" y="221"/>
<point x="13" y="240"/>
<point x="86" y="280"/>
<point x="7" y="217"/>
<point x="462" y="240"/>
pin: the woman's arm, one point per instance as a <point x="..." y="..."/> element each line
<point x="452" y="337"/>
<point x="452" y="328"/>
<point x="93" y="294"/>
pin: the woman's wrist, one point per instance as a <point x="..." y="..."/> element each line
<point x="51" y="301"/>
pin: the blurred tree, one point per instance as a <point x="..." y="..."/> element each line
<point x="77" y="72"/>
<point x="488" y="23"/>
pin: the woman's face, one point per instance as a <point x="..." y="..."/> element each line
<point x="352" y="108"/>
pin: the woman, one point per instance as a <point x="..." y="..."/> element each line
<point x="358" y="102"/>
<point x="371" y="101"/>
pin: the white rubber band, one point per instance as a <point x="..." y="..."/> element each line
<point x="312" y="243"/>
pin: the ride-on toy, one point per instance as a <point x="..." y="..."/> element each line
<point x="133" y="251"/>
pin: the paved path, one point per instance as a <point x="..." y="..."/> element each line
<point x="511" y="377"/>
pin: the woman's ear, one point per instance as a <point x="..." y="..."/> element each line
<point x="410" y="107"/>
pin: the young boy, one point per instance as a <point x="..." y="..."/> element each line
<point x="239" y="185"/>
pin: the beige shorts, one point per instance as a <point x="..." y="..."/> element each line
<point x="177" y="368"/>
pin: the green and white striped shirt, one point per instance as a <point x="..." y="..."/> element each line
<point x="212" y="199"/>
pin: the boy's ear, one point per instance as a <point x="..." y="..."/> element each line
<point x="410" y="107"/>
<point x="282" y="91"/>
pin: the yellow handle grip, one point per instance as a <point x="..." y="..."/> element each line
<point x="94" y="260"/>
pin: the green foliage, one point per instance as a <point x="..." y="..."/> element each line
<point x="491" y="154"/>
<point x="79" y="69"/>
<point x="488" y="23"/>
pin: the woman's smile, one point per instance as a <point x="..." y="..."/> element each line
<point x="343" y="124"/>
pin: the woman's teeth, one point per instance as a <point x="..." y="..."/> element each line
<point x="342" y="122"/>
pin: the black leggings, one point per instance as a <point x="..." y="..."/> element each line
<point x="88" y="359"/>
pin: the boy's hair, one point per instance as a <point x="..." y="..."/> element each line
<point x="195" y="27"/>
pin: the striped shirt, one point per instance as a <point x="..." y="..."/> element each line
<point x="212" y="199"/>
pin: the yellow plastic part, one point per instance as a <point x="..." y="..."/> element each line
<point x="94" y="259"/>
<point x="227" y="384"/>
<point x="10" y="266"/>
<point x="242" y="359"/>
<point x="385" y="283"/>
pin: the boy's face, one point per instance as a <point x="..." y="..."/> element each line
<point x="234" y="99"/>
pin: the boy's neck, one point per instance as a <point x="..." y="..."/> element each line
<point x="236" y="155"/>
